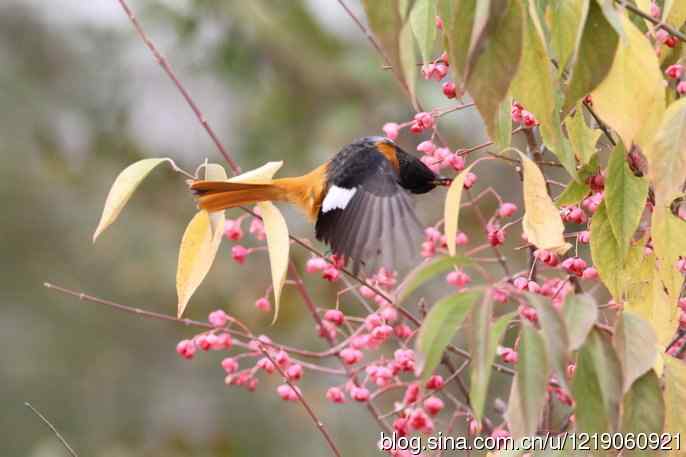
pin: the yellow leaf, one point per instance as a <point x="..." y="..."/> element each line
<point x="197" y="252"/>
<point x="667" y="156"/>
<point x="669" y="242"/>
<point x="631" y="99"/>
<point x="278" y="245"/>
<point x="262" y="175"/>
<point x="645" y="296"/>
<point x="451" y="210"/>
<point x="542" y="223"/>
<point x="675" y="396"/>
<point x="275" y="228"/>
<point x="122" y="190"/>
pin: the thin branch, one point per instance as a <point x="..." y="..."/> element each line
<point x="186" y="95"/>
<point x="317" y="421"/>
<point x="52" y="427"/>
<point x="651" y="19"/>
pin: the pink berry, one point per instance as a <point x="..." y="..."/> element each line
<point x="499" y="295"/>
<point x="433" y="405"/>
<point x="449" y="89"/>
<point x="655" y="10"/>
<point x="382" y="332"/>
<point x="389" y="314"/>
<point x="456" y="161"/>
<point x="334" y="316"/>
<point x="263" y="304"/>
<point x="419" y="420"/>
<point x="533" y="287"/>
<point x="528" y="119"/>
<point x="265" y="364"/>
<point x="474" y="427"/>
<point x="404" y="359"/>
<point x="521" y="283"/>
<point x="661" y="36"/>
<point x="218" y="318"/>
<point x="507" y="355"/>
<point x="432" y="234"/>
<point x="331" y="274"/>
<point x="335" y="395"/>
<point x="671" y="41"/>
<point x="282" y="359"/>
<point x="230" y="365"/>
<point x="439" y="23"/>
<point x="239" y="253"/>
<point x="424" y="120"/>
<point x="186" y="349"/>
<point x="507" y="209"/>
<point x="222" y="341"/>
<point x="585" y="237"/>
<point x="316" y="264"/>
<point x="427" y="147"/>
<point x="590" y="273"/>
<point x="469" y="180"/>
<point x="458" y="278"/>
<point x="461" y="239"/>
<point x="351" y="356"/>
<point x="411" y="394"/>
<point x="287" y="392"/>
<point x="528" y="312"/>
<point x="516" y="113"/>
<point x="402" y="331"/>
<point x="496" y="237"/>
<point x="391" y="129"/>
<point x="681" y="87"/>
<point x="202" y="342"/>
<point x="294" y="372"/>
<point x="675" y="71"/>
<point x="435" y="382"/>
<point x="257" y="228"/>
<point x="360" y="394"/>
<point x="232" y="229"/>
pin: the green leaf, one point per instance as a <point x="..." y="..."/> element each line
<point x="494" y="58"/>
<point x="597" y="386"/>
<point x="555" y="335"/>
<point x="675" y="395"/>
<point x="595" y="53"/>
<point x="439" y="327"/>
<point x="613" y="16"/>
<point x="636" y="345"/>
<point x="484" y="337"/>
<point x="580" y="313"/>
<point x="425" y="272"/>
<point x="503" y="125"/>
<point x="122" y="189"/>
<point x="565" y="20"/>
<point x="573" y="193"/>
<point x="458" y="19"/>
<point x="533" y="87"/>
<point x="667" y="155"/>
<point x="606" y="252"/>
<point x="631" y="98"/>
<point x="625" y="197"/>
<point x="643" y="411"/>
<point x="423" y="22"/>
<point x="526" y="402"/>
<point x="582" y="138"/>
<point x="387" y="22"/>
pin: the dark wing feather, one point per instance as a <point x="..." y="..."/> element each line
<point x="378" y="226"/>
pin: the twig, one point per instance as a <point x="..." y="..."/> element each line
<point x="317" y="421"/>
<point x="186" y="95"/>
<point x="651" y="19"/>
<point x="52" y="427"/>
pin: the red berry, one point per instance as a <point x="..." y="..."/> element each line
<point x="450" y="89"/>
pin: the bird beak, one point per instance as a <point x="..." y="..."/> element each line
<point x="442" y="181"/>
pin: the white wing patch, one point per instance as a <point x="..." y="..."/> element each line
<point x="337" y="197"/>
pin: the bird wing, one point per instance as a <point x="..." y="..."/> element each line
<point x="367" y="216"/>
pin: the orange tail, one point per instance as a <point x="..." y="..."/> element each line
<point x="219" y="195"/>
<point x="305" y="191"/>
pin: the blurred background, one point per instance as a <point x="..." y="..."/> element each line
<point x="81" y="99"/>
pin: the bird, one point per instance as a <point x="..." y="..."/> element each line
<point x="359" y="201"/>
